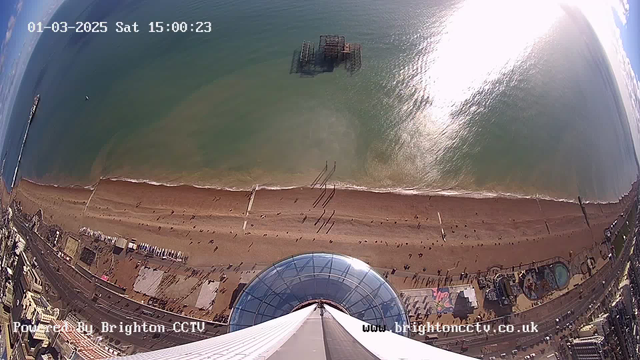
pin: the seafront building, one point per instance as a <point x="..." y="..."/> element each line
<point x="614" y="334"/>
<point x="37" y="314"/>
<point x="589" y="348"/>
<point x="624" y="331"/>
<point x="30" y="280"/>
<point x="70" y="342"/>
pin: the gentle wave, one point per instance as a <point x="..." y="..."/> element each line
<point x="347" y="186"/>
<point x="454" y="192"/>
<point x="341" y="186"/>
<point x="158" y="183"/>
<point x="72" y="186"/>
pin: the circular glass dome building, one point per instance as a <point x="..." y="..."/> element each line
<point x="344" y="282"/>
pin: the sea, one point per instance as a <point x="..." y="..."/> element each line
<point x="462" y="96"/>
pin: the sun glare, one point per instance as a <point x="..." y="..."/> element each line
<point x="481" y="41"/>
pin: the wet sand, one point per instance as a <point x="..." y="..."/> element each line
<point x="386" y="230"/>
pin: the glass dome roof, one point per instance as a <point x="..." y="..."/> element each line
<point x="341" y="280"/>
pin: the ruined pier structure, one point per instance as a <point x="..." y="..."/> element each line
<point x="333" y="50"/>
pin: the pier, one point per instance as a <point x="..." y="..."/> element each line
<point x="34" y="107"/>
<point x="307" y="55"/>
<point x="333" y="51"/>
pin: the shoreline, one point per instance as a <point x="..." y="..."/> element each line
<point x="340" y="186"/>
<point x="385" y="229"/>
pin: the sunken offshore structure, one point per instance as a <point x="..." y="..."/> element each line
<point x="333" y="51"/>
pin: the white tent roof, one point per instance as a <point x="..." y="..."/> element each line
<point x="470" y="294"/>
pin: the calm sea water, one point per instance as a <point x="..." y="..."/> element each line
<point x="463" y="95"/>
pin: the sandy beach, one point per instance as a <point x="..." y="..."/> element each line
<point x="387" y="230"/>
